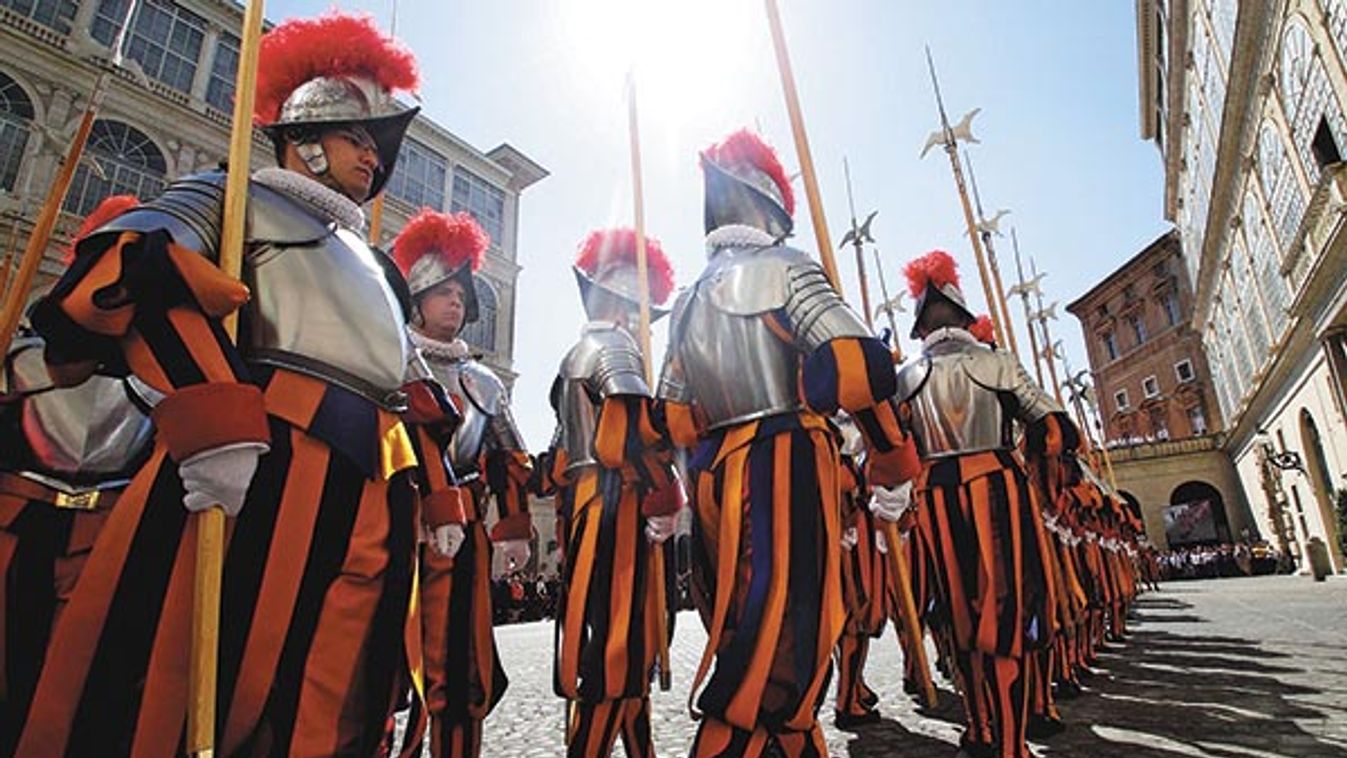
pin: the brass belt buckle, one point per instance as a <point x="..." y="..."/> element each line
<point x="81" y="501"/>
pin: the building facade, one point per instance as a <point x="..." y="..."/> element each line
<point x="1245" y="103"/>
<point x="167" y="113"/>
<point x="1157" y="410"/>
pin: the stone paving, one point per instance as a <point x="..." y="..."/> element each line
<point x="1229" y="668"/>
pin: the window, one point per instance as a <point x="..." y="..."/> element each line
<point x="56" y="14"/>
<point x="165" y="39"/>
<point x="1197" y="420"/>
<point x="131" y="163"/>
<point x="483" y="200"/>
<point x="1325" y="147"/>
<point x="1129" y="293"/>
<point x="1159" y="424"/>
<point x="482" y="332"/>
<point x="1110" y="345"/>
<point x="16" y="112"/>
<point x="223" y="70"/>
<point x="1102" y="310"/>
<point x="1183" y="370"/>
<point x="1170" y="302"/>
<point x="1120" y="400"/>
<point x="1150" y="386"/>
<point x="1138" y="329"/>
<point x="418" y="176"/>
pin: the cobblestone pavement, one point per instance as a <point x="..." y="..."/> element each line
<point x="1230" y="668"/>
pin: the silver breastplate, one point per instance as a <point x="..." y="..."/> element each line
<point x="91" y="430"/>
<point x="733" y="365"/>
<point x="470" y="435"/>
<point x="951" y="413"/>
<point x="326" y="309"/>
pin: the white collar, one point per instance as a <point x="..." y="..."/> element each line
<point x="325" y="201"/>
<point x="737" y="235"/>
<point x="945" y="333"/>
<point x="454" y="350"/>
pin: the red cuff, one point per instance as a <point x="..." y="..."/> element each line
<point x="204" y="416"/>
<point x="516" y="527"/>
<point x="895" y="466"/>
<point x="444" y="507"/>
<point x="662" y="501"/>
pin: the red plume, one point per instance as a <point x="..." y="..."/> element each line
<point x="334" y="44"/>
<point x="607" y="248"/>
<point x="455" y="237"/>
<point x="110" y="208"/>
<point x="936" y="268"/>
<point x="746" y="147"/>
<point x="982" y="329"/>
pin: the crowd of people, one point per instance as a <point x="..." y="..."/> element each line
<point x="1222" y="560"/>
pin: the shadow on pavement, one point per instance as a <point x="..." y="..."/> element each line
<point x="1165" y="694"/>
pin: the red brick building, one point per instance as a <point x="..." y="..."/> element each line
<point x="1150" y="371"/>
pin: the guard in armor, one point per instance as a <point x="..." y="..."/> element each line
<point x="297" y="431"/>
<point x="618" y="503"/>
<point x="977" y="516"/>
<point x="864" y="585"/>
<point x="65" y="456"/>
<point x="438" y="253"/>
<point x="761" y="352"/>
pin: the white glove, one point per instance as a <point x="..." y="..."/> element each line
<point x="220" y="476"/>
<point x="660" y="528"/>
<point x="881" y="542"/>
<point x="889" y="503"/>
<point x="516" y="553"/>
<point x="850" y="538"/>
<point x="447" y="539"/>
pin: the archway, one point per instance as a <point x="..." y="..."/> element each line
<point x="1196" y="515"/>
<point x="16" y="113"/>
<point x="1321" y="483"/>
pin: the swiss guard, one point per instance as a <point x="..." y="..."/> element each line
<point x="762" y="351"/>
<point x="439" y="253"/>
<point x="979" y="521"/>
<point x="66" y="453"/>
<point x="297" y="431"/>
<point x="618" y="503"/>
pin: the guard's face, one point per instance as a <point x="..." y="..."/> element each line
<point x="442" y="309"/>
<point x="352" y="159"/>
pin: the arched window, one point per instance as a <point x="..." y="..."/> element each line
<point x="482" y="333"/>
<point x="126" y="163"/>
<point x="1196" y="513"/>
<point x="1295" y="64"/>
<point x="16" y="113"/>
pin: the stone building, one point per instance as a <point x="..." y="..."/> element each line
<point x="1155" y="399"/>
<point x="1245" y="103"/>
<point x="167" y="113"/>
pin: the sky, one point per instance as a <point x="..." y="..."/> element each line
<point x="1060" y="145"/>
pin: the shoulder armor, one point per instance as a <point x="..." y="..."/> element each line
<point x="482" y="387"/>
<point x="912" y="377"/>
<point x="747" y="282"/>
<point x="191" y="211"/>
<point x="608" y="360"/>
<point x="989" y="368"/>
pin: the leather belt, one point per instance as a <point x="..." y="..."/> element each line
<point x="85" y="500"/>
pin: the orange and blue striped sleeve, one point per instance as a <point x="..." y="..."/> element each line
<point x="155" y="308"/>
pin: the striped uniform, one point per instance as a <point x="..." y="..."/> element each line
<point x="318" y="627"/>
<point x="766" y="554"/>
<point x="865" y="594"/>
<point x="607" y="614"/>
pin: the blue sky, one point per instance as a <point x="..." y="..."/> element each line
<point x="1056" y="81"/>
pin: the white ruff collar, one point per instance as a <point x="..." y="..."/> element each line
<point x="949" y="333"/>
<point x="737" y="235"/>
<point x="327" y="202"/>
<point x="456" y="350"/>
